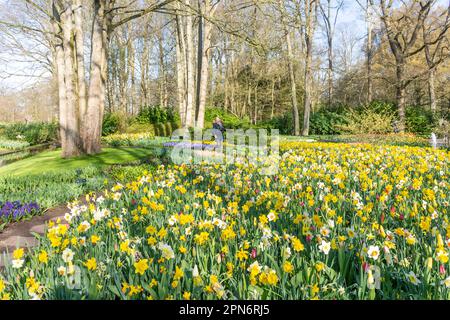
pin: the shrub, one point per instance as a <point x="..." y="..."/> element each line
<point x="284" y="123"/>
<point x="141" y="128"/>
<point x="156" y="114"/>
<point x="33" y="133"/>
<point x="420" y="120"/>
<point x="158" y="129"/>
<point x="114" y="122"/>
<point x="367" y="121"/>
<point x="325" y="122"/>
<point x="230" y="120"/>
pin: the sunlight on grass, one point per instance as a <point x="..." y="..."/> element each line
<point x="52" y="161"/>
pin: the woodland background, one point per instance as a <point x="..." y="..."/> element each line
<point x="103" y="66"/>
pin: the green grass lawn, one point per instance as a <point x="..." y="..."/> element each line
<point x="51" y="161"/>
<point x="297" y="138"/>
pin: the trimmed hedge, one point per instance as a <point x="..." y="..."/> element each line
<point x="230" y="121"/>
<point x="157" y="129"/>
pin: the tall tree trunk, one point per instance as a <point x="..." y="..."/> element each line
<point x="293" y="84"/>
<point x="249" y="103"/>
<point x="106" y="31"/>
<point x="132" y="75"/>
<point x="401" y="96"/>
<point x="72" y="143"/>
<point x="122" y="74"/>
<point x="60" y="70"/>
<point x="181" y="69"/>
<point x="369" y="50"/>
<point x="272" y="96"/>
<point x="144" y="68"/>
<point x="431" y="90"/>
<point x="94" y="114"/>
<point x="308" y="86"/>
<point x="369" y="67"/>
<point x="190" y="116"/>
<point x="200" y="53"/>
<point x="204" y="51"/>
<point x="162" y="71"/>
<point x="290" y="61"/>
<point x="330" y="72"/>
<point x="310" y="20"/>
<point x="79" y="45"/>
<point x="307" y="95"/>
<point x="256" y="105"/>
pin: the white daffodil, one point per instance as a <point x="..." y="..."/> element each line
<point x="67" y="255"/>
<point x="17" y="263"/>
<point x="413" y="278"/>
<point x="325" y="247"/>
<point x="373" y="252"/>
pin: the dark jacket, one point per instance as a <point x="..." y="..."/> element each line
<point x="219" y="126"/>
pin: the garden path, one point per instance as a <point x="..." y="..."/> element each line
<point x="22" y="234"/>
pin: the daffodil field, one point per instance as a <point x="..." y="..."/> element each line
<point x="338" y="221"/>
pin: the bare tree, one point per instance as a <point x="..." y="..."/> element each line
<point x="207" y="8"/>
<point x="435" y="31"/>
<point x="370" y="15"/>
<point x="308" y="19"/>
<point x="290" y="61"/>
<point x="330" y="16"/>
<point x="403" y="27"/>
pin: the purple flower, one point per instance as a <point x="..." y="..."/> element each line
<point x="189" y="145"/>
<point x="16" y="210"/>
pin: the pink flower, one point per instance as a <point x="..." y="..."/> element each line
<point x="442" y="269"/>
<point x="253" y="254"/>
<point x="365" y="266"/>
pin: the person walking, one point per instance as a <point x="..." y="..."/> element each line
<point x="218" y="125"/>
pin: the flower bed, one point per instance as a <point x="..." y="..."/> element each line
<point x="26" y="196"/>
<point x="337" y="222"/>
<point x="406" y="139"/>
<point x="129" y="139"/>
<point x="195" y="145"/>
<point x="14" y="211"/>
<point x="12" y="144"/>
